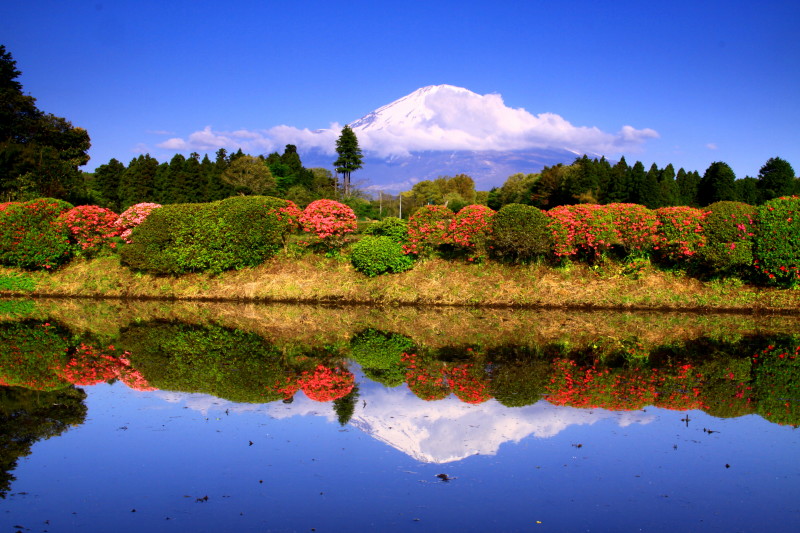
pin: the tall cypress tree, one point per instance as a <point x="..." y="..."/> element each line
<point x="106" y="182"/>
<point x="717" y="184"/>
<point x="350" y="157"/>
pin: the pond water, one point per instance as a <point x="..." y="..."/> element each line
<point x="163" y="417"/>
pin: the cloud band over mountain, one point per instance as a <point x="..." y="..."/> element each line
<point x="434" y="118"/>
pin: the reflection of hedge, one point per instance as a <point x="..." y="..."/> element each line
<point x="32" y="354"/>
<point x="226" y="363"/>
<point x="777" y="383"/>
<point x="232" y="233"/>
<point x="27" y="416"/>
<point x="519" y="377"/>
<point x="379" y="355"/>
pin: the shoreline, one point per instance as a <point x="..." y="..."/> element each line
<point x="433" y="283"/>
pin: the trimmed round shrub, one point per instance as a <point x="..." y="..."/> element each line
<point x="585" y="230"/>
<point x="392" y="227"/>
<point x="729" y="229"/>
<point x="776" y="247"/>
<point x="378" y="255"/>
<point x="636" y="227"/>
<point x="237" y="232"/>
<point x="330" y="221"/>
<point x="380" y="355"/>
<point x="132" y="217"/>
<point x="91" y="227"/>
<point x="427" y="228"/>
<point x="31" y="235"/>
<point x="471" y="229"/>
<point x="680" y="234"/>
<point x="520" y="232"/>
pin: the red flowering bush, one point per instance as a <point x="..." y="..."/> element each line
<point x="586" y="229"/>
<point x="330" y="221"/>
<point x="91" y="226"/>
<point x="470" y="383"/>
<point x="325" y="384"/>
<point x="680" y="233"/>
<point x="636" y="227"/>
<point x="132" y="217"/>
<point x="32" y="236"/>
<point x="427" y="229"/>
<point x="290" y="214"/>
<point x="729" y="231"/>
<point x="470" y="230"/>
<point x="776" y="247"/>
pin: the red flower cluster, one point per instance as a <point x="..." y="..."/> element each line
<point x="328" y="220"/>
<point x="326" y="384"/>
<point x="91" y="226"/>
<point x="681" y="232"/>
<point x="427" y="228"/>
<point x="470" y="229"/>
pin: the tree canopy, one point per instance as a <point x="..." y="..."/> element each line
<point x="39" y="152"/>
<point x="350" y="157"/>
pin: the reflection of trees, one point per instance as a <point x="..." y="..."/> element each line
<point x="27" y="416"/>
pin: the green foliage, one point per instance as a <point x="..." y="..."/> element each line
<point x="728" y="229"/>
<point x="229" y="234"/>
<point x="350" y="157"/>
<point x="379" y="353"/>
<point x="520" y="232"/>
<point x="717" y="185"/>
<point x="392" y="227"/>
<point x="775" y="179"/>
<point x="31" y="235"/>
<point x="776" y="248"/>
<point x="378" y="255"/>
<point x="520" y="379"/>
<point x="31" y="354"/>
<point x="226" y="363"/>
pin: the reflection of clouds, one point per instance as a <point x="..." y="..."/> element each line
<point x="432" y="432"/>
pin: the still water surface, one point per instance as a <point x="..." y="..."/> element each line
<point x="398" y="460"/>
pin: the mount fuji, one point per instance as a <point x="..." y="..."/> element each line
<point x="439" y="130"/>
<point x="443" y="130"/>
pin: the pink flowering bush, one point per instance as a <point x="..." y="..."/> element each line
<point x="470" y="230"/>
<point x="636" y="227"/>
<point x="329" y="220"/>
<point x="427" y="229"/>
<point x="132" y="217"/>
<point x="585" y="230"/>
<point x="680" y="233"/>
<point x="91" y="226"/>
<point x="290" y="215"/>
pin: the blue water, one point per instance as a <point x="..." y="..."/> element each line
<point x="163" y="461"/>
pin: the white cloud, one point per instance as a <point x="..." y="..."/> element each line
<point x="433" y="118"/>
<point x="712" y="146"/>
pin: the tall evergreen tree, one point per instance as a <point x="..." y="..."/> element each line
<point x="350" y="157"/>
<point x="636" y="183"/>
<point x="717" y="184"/>
<point x="136" y="183"/>
<point x="776" y="178"/>
<point x="616" y="189"/>
<point x="669" y="187"/>
<point x="650" y="194"/>
<point x="106" y="183"/>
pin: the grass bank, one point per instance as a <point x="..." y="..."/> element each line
<point x="317" y="279"/>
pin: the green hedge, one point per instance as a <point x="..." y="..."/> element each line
<point x="233" y="233"/>
<point x="729" y="231"/>
<point x="776" y="248"/>
<point x="392" y="227"/>
<point x="379" y="255"/>
<point x="520" y="232"/>
<point x="31" y="235"/>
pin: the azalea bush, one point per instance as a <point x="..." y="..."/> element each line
<point x="329" y="221"/>
<point x="777" y="382"/>
<point x="132" y="217"/>
<point x="91" y="227"/>
<point x="680" y="234"/>
<point x="520" y="232"/>
<point x="32" y="236"/>
<point x="585" y="230"/>
<point x="373" y="255"/>
<point x="729" y="230"/>
<point x="636" y="228"/>
<point x="470" y="230"/>
<point x="776" y="246"/>
<point x="427" y="229"/>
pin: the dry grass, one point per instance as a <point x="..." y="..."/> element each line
<point x="316" y="279"/>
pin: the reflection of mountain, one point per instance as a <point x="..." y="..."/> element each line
<point x="433" y="432"/>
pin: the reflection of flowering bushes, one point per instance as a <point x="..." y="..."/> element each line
<point x="470" y="383"/>
<point x="777" y="383"/>
<point x="31" y="354"/>
<point x="91" y="366"/>
<point x="623" y="389"/>
<point x="325" y="384"/>
<point x="426" y="379"/>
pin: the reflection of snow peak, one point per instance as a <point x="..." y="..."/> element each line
<point x="432" y="432"/>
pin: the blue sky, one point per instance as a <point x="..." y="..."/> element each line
<point x="718" y="81"/>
